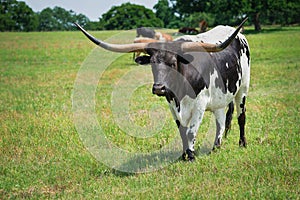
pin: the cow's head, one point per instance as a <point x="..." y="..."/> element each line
<point x="164" y="57"/>
<point x="165" y="60"/>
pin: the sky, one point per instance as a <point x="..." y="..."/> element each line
<point x="93" y="9"/>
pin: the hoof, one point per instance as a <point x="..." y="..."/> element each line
<point x="243" y="143"/>
<point x="217" y="145"/>
<point x="188" y="155"/>
<point x="184" y="156"/>
<point x="227" y="130"/>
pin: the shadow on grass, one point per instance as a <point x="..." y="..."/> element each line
<point x="154" y="162"/>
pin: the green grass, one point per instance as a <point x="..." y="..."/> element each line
<point x="42" y="156"/>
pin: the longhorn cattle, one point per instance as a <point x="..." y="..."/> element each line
<point x="142" y="40"/>
<point x="163" y="37"/>
<point x="188" y="30"/>
<point x="159" y="37"/>
<point x="206" y="72"/>
<point x="145" y="32"/>
<point x="203" y="26"/>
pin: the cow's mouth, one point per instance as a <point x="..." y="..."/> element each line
<point x="159" y="90"/>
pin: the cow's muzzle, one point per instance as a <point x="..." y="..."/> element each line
<point x="159" y="89"/>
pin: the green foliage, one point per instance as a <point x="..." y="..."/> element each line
<point x="281" y="12"/>
<point x="230" y="12"/>
<point x="193" y="19"/>
<point x="186" y="7"/>
<point x="227" y="11"/>
<point x="58" y="19"/>
<point x="129" y="16"/>
<point x="17" y="16"/>
<point x="164" y="12"/>
<point x="94" y="25"/>
<point x="81" y="19"/>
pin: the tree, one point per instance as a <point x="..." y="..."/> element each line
<point x="81" y="19"/>
<point x="129" y="16"/>
<point x="292" y="12"/>
<point x="254" y="9"/>
<point x="164" y="12"/>
<point x="281" y="12"/>
<point x="17" y="16"/>
<point x="227" y="11"/>
<point x="273" y="12"/>
<point x="213" y="11"/>
<point x="94" y="26"/>
<point x="187" y="7"/>
<point x="230" y="12"/>
<point x="193" y="19"/>
<point x="59" y="19"/>
<point x="47" y="20"/>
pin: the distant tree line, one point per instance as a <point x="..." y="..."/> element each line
<point x="18" y="16"/>
<point x="283" y="12"/>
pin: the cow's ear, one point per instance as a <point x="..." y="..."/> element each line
<point x="143" y="60"/>
<point x="185" y="58"/>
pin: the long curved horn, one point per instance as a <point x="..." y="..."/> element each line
<point x="206" y="47"/>
<point x="144" y="40"/>
<point x="121" y="48"/>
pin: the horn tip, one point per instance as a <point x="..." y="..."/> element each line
<point x="243" y="22"/>
<point x="77" y="25"/>
<point x="92" y="38"/>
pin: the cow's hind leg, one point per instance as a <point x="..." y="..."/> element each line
<point x="229" y="118"/>
<point x="241" y="113"/>
<point x="220" y="123"/>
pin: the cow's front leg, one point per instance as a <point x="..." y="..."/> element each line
<point x="188" y="154"/>
<point x="191" y="134"/>
<point x="182" y="131"/>
<point x="220" y="124"/>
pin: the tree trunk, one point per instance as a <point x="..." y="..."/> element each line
<point x="256" y="22"/>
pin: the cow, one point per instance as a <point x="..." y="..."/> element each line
<point x="188" y="30"/>
<point x="142" y="40"/>
<point x="206" y="72"/>
<point x="203" y="26"/>
<point x="145" y="32"/>
<point x="164" y="37"/>
<point x="159" y="37"/>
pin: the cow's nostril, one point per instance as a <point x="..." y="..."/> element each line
<point x="158" y="86"/>
<point x="158" y="89"/>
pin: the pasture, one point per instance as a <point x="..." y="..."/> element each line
<point x="42" y="155"/>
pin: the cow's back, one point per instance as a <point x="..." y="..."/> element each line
<point x="216" y="35"/>
<point x="224" y="72"/>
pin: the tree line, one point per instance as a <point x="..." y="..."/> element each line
<point x="18" y="16"/>
<point x="283" y="12"/>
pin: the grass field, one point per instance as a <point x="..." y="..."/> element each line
<point x="42" y="156"/>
